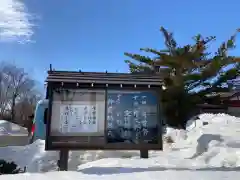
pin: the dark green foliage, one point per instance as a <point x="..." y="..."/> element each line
<point x="189" y="73"/>
<point x="9" y="168"/>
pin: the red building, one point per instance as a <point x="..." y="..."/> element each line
<point x="232" y="100"/>
<point x="230" y="103"/>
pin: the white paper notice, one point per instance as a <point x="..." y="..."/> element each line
<point x="78" y="119"/>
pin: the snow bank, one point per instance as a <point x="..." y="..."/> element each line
<point x="213" y="140"/>
<point x="33" y="156"/>
<point x="214" y="146"/>
<point x="36" y="159"/>
<point x="8" y="128"/>
<point x="176" y="134"/>
<point x="129" y="173"/>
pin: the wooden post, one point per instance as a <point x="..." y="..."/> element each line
<point x="50" y="67"/>
<point x="144" y="153"/>
<point x="63" y="160"/>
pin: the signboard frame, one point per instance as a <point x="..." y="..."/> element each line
<point x="76" y="142"/>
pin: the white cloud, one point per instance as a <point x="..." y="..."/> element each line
<point x="15" y="22"/>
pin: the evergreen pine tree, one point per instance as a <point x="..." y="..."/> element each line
<point x="189" y="72"/>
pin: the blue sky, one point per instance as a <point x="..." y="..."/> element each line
<point x="92" y="35"/>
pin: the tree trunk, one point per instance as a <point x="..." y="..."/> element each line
<point x="13" y="108"/>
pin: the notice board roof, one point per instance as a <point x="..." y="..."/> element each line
<point x="103" y="77"/>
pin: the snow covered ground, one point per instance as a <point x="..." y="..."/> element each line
<point x="8" y="128"/>
<point x="200" y="153"/>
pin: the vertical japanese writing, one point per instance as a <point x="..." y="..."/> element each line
<point x="65" y="120"/>
<point x="118" y="99"/>
<point x="67" y="113"/>
<point x="93" y="115"/>
<point x="78" y="118"/>
<point x="137" y="123"/>
<point x="76" y="114"/>
<point x="88" y="123"/>
<point x="144" y="118"/>
<point x="129" y="115"/>
<point x="85" y="114"/>
<point x="118" y="120"/>
<point x="144" y="100"/>
<point x="127" y="124"/>
<point x="110" y="116"/>
<point x="118" y="113"/>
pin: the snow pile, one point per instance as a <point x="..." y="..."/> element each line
<point x="175" y="134"/>
<point x="33" y="156"/>
<point x="9" y="128"/>
<point x="36" y="159"/>
<point x="210" y="146"/>
<point x="118" y="173"/>
<point x="213" y="140"/>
